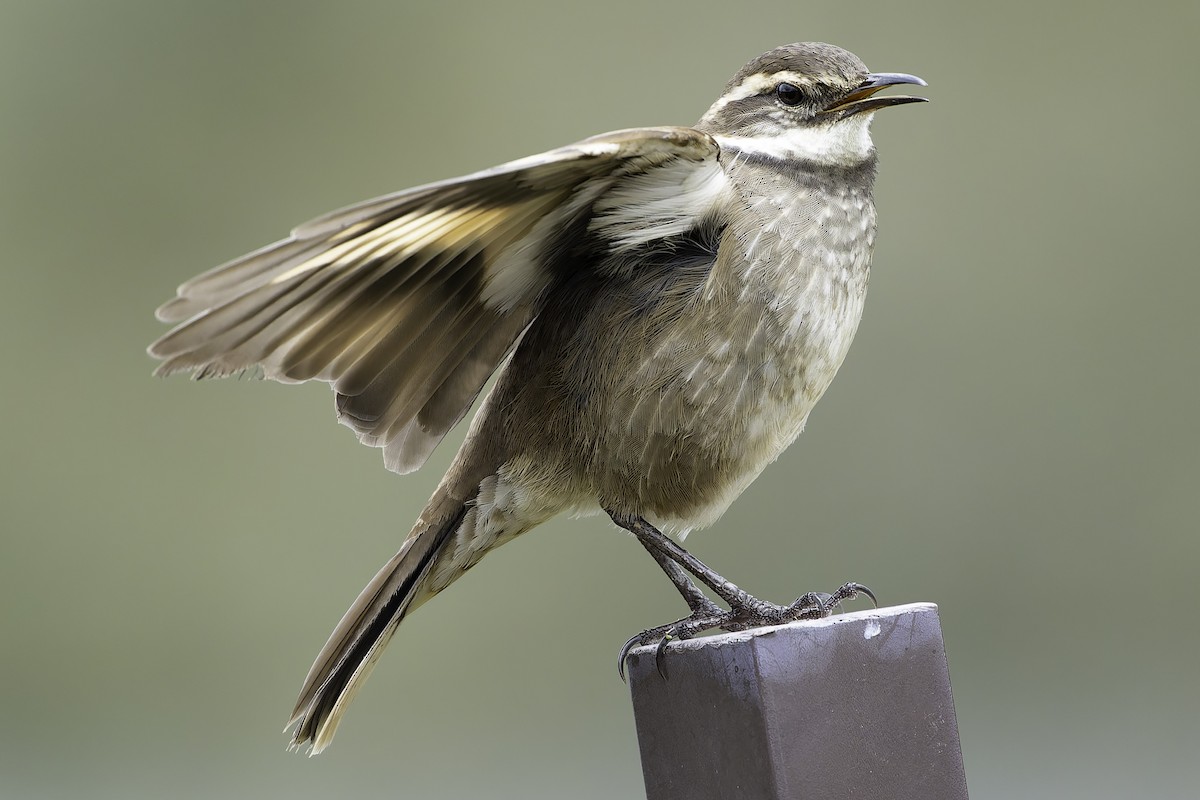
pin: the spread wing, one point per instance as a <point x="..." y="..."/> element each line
<point x="406" y="304"/>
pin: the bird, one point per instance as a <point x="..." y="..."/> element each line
<point x="661" y="309"/>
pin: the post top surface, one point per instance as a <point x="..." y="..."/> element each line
<point x="737" y="637"/>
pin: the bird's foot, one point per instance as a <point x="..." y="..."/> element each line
<point x="686" y="628"/>
<point x="756" y="613"/>
<point x="748" y="612"/>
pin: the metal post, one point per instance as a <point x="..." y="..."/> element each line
<point x="856" y="705"/>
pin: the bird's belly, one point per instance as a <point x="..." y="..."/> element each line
<point x="708" y="411"/>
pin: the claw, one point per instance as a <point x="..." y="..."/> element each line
<point x="645" y="637"/>
<point x="658" y="652"/>
<point x="857" y="589"/>
<point x="684" y="628"/>
<point x="634" y="641"/>
<point x="810" y="605"/>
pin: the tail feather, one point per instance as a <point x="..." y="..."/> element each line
<point x="357" y="642"/>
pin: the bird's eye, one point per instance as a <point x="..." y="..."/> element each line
<point x="788" y="94"/>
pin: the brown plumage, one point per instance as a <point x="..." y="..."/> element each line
<point x="664" y="307"/>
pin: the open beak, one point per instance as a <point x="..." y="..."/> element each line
<point x="863" y="99"/>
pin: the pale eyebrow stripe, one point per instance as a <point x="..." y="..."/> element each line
<point x="760" y="82"/>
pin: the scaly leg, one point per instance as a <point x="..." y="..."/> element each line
<point x="745" y="610"/>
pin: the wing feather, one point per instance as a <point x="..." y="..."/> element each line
<point x="408" y="303"/>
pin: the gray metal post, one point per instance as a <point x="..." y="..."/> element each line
<point x="853" y="706"/>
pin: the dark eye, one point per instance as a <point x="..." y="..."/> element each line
<point x="788" y="94"/>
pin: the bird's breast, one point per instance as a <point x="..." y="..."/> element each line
<point x="746" y="365"/>
<point x="665" y="394"/>
<point x="799" y="262"/>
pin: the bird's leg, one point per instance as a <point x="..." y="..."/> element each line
<point x="696" y="600"/>
<point x="705" y="614"/>
<point x="745" y="610"/>
<point x="666" y="549"/>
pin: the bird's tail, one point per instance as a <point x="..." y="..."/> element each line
<point x="357" y="642"/>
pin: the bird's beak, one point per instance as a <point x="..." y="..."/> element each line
<point x="862" y="99"/>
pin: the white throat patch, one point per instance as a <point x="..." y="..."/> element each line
<point x="844" y="143"/>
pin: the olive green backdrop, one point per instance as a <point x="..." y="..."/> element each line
<point x="1014" y="435"/>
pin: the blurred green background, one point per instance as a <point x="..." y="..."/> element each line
<point x="1014" y="435"/>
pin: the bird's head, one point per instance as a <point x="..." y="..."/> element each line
<point x="808" y="100"/>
